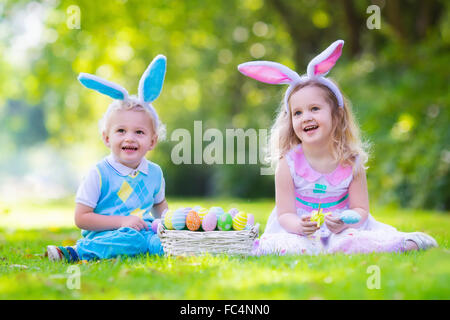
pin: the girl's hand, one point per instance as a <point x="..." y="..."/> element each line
<point x="308" y="227"/>
<point x="133" y="222"/>
<point x="334" y="224"/>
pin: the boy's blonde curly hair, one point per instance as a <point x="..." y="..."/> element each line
<point x="132" y="103"/>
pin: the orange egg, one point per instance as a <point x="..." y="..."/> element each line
<point x="193" y="221"/>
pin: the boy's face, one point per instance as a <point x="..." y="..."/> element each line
<point x="130" y="136"/>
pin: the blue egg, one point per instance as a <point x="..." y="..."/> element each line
<point x="179" y="219"/>
<point x="217" y="210"/>
<point x="350" y="217"/>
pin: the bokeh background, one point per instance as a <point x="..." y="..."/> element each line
<point x="397" y="78"/>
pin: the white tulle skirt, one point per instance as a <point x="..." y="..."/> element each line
<point x="372" y="236"/>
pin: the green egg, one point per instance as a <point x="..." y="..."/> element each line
<point x="225" y="222"/>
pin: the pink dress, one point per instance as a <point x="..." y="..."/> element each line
<point x="331" y="191"/>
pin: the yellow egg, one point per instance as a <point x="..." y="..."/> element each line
<point x="239" y="221"/>
<point x="202" y="212"/>
<point x="168" y="220"/>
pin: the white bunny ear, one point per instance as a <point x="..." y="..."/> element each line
<point x="324" y="62"/>
<point x="152" y="80"/>
<point x="103" y="86"/>
<point x="268" y="72"/>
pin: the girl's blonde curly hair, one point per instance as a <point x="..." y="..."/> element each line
<point x="347" y="147"/>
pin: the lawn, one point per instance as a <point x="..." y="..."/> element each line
<point x="27" y="228"/>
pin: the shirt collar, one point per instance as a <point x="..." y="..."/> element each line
<point x="303" y="169"/>
<point x="124" y="170"/>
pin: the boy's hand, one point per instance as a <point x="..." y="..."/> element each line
<point x="308" y="227"/>
<point x="334" y="224"/>
<point x="133" y="222"/>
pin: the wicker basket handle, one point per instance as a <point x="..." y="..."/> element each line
<point x="254" y="231"/>
<point x="161" y="230"/>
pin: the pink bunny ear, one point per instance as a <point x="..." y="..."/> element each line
<point x="268" y="72"/>
<point x="324" y="62"/>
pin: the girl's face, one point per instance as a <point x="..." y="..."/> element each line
<point x="311" y="116"/>
<point x="130" y="136"/>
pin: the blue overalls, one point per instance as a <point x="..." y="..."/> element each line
<point x="123" y="195"/>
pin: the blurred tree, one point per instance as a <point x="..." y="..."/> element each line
<point x="396" y="78"/>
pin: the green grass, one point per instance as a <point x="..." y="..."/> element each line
<point x="27" y="228"/>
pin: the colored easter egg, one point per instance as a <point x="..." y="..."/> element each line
<point x="209" y="222"/>
<point x="350" y="216"/>
<point x="250" y="219"/>
<point x="233" y="212"/>
<point x="168" y="220"/>
<point x="225" y="222"/>
<point x="179" y="219"/>
<point x="239" y="221"/>
<point x="155" y="224"/>
<point x="193" y="221"/>
<point x="202" y="212"/>
<point x="217" y="210"/>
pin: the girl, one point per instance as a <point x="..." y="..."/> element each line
<point x="319" y="159"/>
<point x="118" y="199"/>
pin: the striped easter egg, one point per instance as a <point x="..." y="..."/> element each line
<point x="233" y="212"/>
<point x="239" y="221"/>
<point x="179" y="219"/>
<point x="193" y="221"/>
<point x="217" y="210"/>
<point x="168" y="220"/>
<point x="202" y="212"/>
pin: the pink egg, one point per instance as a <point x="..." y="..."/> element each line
<point x="155" y="224"/>
<point x="250" y="219"/>
<point x="209" y="222"/>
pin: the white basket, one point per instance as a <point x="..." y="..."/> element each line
<point x="185" y="242"/>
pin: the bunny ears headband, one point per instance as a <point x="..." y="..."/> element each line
<point x="150" y="85"/>
<point x="276" y="73"/>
